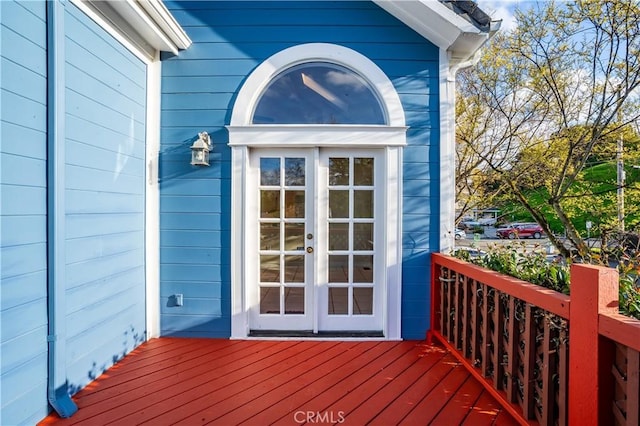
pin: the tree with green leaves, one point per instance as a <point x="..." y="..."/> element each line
<point x="548" y="98"/>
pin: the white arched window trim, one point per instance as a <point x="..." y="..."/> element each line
<point x="316" y="52"/>
<point x="243" y="135"/>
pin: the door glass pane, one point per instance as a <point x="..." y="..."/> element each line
<point x="294" y="300"/>
<point x="362" y="269"/>
<point x="294" y="269"/>
<point x="363" y="171"/>
<point x="339" y="268"/>
<point x="294" y="171"/>
<point x="269" y="236"/>
<point x="363" y="236"/>
<point x="338" y="301"/>
<point x="338" y="236"/>
<point x="269" y="269"/>
<point x="269" y="300"/>
<point x="270" y="171"/>
<point x="363" y="204"/>
<point x="338" y="204"/>
<point x="294" y="204"/>
<point x="269" y="204"/>
<point x="294" y="236"/>
<point x="362" y="300"/>
<point x="338" y="171"/>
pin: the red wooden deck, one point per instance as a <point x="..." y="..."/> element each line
<point x="226" y="382"/>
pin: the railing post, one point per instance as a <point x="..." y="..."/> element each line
<point x="435" y="299"/>
<point x="594" y="290"/>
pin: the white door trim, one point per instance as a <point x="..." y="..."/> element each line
<point x="243" y="136"/>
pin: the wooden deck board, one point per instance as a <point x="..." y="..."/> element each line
<point x="333" y="386"/>
<point x="224" y="382"/>
<point x="397" y="395"/>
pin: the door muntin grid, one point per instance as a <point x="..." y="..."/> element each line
<point x="351" y="236"/>
<point x="282" y="225"/>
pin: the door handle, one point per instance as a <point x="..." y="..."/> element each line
<point x="309" y="249"/>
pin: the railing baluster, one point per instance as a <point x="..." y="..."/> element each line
<point x="475" y="326"/>
<point x="486" y="331"/>
<point x="444" y="274"/>
<point x="512" y="353"/>
<point x="498" y="346"/>
<point x="633" y="387"/>
<point x="457" y="303"/>
<point x="451" y="297"/>
<point x="465" y="317"/>
<point x="563" y="377"/>
<point x="528" y="400"/>
<point x="548" y="369"/>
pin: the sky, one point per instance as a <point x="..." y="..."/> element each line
<point x="503" y="9"/>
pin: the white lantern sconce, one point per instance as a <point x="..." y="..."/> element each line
<point x="200" y="150"/>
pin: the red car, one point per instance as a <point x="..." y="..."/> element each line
<point x="520" y="230"/>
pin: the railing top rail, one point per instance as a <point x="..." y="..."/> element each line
<point x="620" y="328"/>
<point x="547" y="299"/>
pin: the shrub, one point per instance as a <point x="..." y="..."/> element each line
<point x="536" y="268"/>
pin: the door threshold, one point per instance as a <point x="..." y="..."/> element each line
<point x="319" y="334"/>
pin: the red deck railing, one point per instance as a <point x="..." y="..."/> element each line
<point x="550" y="358"/>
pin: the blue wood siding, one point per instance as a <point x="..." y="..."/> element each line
<point x="199" y="87"/>
<point x="104" y="199"/>
<point x="23" y="209"/>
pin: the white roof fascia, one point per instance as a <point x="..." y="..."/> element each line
<point x="166" y="23"/>
<point x="441" y="26"/>
<point x="147" y="23"/>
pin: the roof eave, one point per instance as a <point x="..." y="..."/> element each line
<point x="441" y="26"/>
<point x="148" y="23"/>
<point x="155" y="23"/>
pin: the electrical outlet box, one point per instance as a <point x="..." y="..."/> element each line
<point x="179" y="299"/>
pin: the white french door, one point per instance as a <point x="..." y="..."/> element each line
<point x="315" y="260"/>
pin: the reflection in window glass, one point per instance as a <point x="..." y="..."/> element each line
<point x="338" y="204"/>
<point x="363" y="171"/>
<point x="338" y="301"/>
<point x="269" y="236"/>
<point x="362" y="301"/>
<point x="294" y="204"/>
<point x="269" y="300"/>
<point x="294" y="171"/>
<point x="318" y="93"/>
<point x="363" y="269"/>
<point x="269" y="269"/>
<point x="269" y="204"/>
<point x="338" y="236"/>
<point x="294" y="300"/>
<point x="363" y="204"/>
<point x="294" y="269"/>
<point x="339" y="268"/>
<point x="294" y="236"/>
<point x="338" y="171"/>
<point x="269" y="171"/>
<point x="363" y="236"/>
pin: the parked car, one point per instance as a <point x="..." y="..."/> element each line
<point x="468" y="252"/>
<point x="469" y="224"/>
<point x="520" y="230"/>
<point x="460" y="234"/>
<point x="487" y="221"/>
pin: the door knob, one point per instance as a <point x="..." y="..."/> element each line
<point x="309" y="249"/>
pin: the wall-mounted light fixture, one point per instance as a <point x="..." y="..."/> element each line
<point x="200" y="150"/>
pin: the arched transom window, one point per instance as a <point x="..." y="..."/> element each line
<point x="318" y="93"/>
